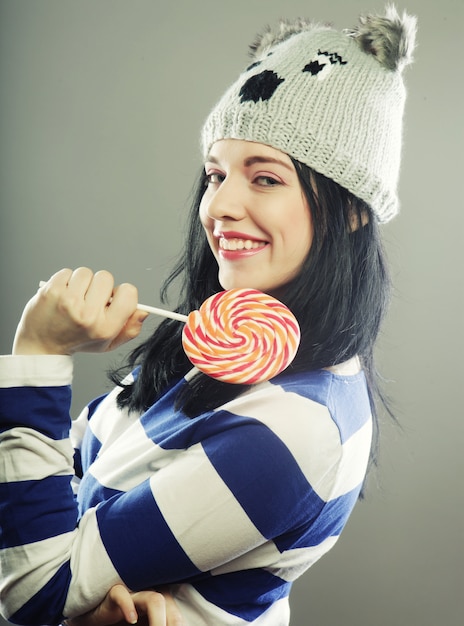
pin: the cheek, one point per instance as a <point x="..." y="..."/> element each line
<point x="203" y="213"/>
<point x="301" y="231"/>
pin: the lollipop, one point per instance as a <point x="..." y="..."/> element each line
<point x="241" y="336"/>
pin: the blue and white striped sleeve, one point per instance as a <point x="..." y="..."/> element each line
<point x="36" y="467"/>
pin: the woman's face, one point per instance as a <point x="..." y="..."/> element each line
<point x="255" y="215"/>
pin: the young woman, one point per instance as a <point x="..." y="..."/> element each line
<point x="220" y="494"/>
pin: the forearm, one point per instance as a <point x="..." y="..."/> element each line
<point x="38" y="513"/>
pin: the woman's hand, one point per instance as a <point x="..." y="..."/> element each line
<point x="78" y="311"/>
<point x="120" y="606"/>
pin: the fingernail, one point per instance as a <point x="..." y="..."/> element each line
<point x="133" y="617"/>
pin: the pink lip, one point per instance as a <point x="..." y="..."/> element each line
<point x="233" y="234"/>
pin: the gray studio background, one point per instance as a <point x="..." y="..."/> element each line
<point x="101" y="103"/>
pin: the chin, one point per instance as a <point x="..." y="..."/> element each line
<point x="249" y="284"/>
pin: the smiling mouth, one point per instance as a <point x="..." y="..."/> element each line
<point x="235" y="244"/>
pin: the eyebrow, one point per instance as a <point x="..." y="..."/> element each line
<point x="255" y="159"/>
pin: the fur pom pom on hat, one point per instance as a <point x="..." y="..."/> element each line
<point x="332" y="100"/>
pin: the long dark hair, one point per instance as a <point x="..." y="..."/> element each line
<point x="339" y="297"/>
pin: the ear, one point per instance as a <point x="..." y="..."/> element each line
<point x="390" y="38"/>
<point x="357" y="218"/>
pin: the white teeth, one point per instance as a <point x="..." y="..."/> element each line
<point x="240" y="244"/>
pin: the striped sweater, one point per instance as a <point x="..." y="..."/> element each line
<point x="228" y="508"/>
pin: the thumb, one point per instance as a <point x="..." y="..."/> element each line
<point x="130" y="330"/>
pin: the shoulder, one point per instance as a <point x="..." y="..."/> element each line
<point x="321" y="418"/>
<point x="320" y="399"/>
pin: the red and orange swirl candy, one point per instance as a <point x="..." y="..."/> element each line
<point x="241" y="336"/>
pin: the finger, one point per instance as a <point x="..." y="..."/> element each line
<point x="56" y="284"/>
<point x="173" y="614"/>
<point x="153" y="605"/>
<point x="120" y="596"/>
<point x="130" y="331"/>
<point x="122" y="313"/>
<point x="60" y="278"/>
<point x="161" y="609"/>
<point x="79" y="281"/>
<point x="100" y="290"/>
<point x="134" y="324"/>
<point x="125" y="296"/>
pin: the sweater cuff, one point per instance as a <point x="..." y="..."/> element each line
<point x="42" y="370"/>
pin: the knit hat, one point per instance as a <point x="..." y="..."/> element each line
<point x="332" y="100"/>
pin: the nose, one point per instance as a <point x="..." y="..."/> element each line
<point x="227" y="202"/>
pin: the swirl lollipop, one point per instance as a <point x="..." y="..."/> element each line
<point x="241" y="336"/>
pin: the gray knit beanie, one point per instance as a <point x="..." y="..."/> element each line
<point x="332" y="100"/>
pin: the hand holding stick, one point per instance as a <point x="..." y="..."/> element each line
<point x="149" y="309"/>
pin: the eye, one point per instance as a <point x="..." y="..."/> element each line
<point x="252" y="66"/>
<point x="267" y="181"/>
<point x="214" y="178"/>
<point x="256" y="63"/>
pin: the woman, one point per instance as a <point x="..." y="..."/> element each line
<point x="220" y="494"/>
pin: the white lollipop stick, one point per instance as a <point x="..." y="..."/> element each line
<point x="149" y="309"/>
<point x="163" y="312"/>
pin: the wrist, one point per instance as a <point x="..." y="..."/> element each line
<point x="28" y="347"/>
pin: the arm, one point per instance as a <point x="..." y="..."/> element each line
<point x="169" y="528"/>
<point x="76" y="311"/>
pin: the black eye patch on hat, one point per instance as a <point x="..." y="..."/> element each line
<point x="260" y="86"/>
<point x="317" y="64"/>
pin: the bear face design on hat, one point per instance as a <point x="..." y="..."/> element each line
<point x="262" y="86"/>
<point x="332" y="100"/>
